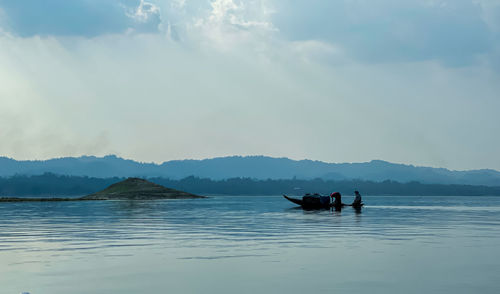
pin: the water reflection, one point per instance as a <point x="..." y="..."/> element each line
<point x="237" y="218"/>
<point x="259" y="230"/>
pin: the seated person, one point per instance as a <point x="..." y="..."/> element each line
<point x="357" y="200"/>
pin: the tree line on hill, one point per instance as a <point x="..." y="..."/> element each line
<point x="254" y="167"/>
<point x="60" y="185"/>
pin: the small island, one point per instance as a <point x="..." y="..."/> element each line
<point x="129" y="189"/>
<point x="139" y="189"/>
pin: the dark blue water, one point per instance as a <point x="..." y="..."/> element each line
<point x="251" y="245"/>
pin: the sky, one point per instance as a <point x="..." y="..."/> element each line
<point x="415" y="81"/>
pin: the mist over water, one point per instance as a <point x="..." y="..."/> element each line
<point x="251" y="245"/>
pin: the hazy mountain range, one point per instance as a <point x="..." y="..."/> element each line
<point x="257" y="167"/>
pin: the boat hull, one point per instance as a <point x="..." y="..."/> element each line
<point x="318" y="206"/>
<point x="308" y="205"/>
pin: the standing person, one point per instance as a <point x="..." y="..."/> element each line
<point x="333" y="198"/>
<point x="357" y="200"/>
<point x="338" y="199"/>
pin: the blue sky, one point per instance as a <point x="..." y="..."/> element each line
<point x="404" y="81"/>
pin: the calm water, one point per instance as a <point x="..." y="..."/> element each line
<point x="251" y="245"/>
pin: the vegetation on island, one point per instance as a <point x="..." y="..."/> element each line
<point x="138" y="189"/>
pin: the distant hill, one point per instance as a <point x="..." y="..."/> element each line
<point x="256" y="167"/>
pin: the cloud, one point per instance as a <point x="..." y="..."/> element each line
<point x="77" y="17"/>
<point x="155" y="99"/>
<point x="240" y="14"/>
<point x="491" y="13"/>
<point x="145" y="11"/>
<point x="453" y="32"/>
<point x="322" y="80"/>
<point x="226" y="24"/>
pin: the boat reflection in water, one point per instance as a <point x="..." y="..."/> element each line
<point x="251" y="244"/>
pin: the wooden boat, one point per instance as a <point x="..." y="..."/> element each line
<point x="319" y="205"/>
<point x="294" y="200"/>
<point x="307" y="204"/>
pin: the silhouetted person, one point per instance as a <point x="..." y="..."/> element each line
<point x="357" y="200"/>
<point x="338" y="199"/>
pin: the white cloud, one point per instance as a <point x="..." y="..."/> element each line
<point x="317" y="51"/>
<point x="228" y="23"/>
<point x="144" y="97"/>
<point x="145" y="11"/>
<point x="178" y="4"/>
<point x="221" y="8"/>
<point x="491" y="13"/>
